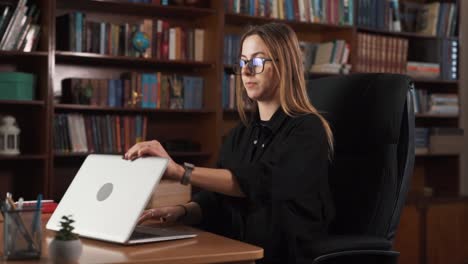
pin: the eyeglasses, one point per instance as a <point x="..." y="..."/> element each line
<point x="255" y="65"/>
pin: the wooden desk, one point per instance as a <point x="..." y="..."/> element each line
<point x="205" y="248"/>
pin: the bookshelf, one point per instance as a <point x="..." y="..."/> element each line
<point x="27" y="172"/>
<point x="42" y="169"/>
<point x="437" y="199"/>
<point x="163" y="124"/>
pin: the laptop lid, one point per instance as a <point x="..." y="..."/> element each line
<point x="107" y="196"/>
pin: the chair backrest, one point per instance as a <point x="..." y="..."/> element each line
<point x="372" y="118"/>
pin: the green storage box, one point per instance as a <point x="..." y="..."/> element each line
<point x="16" y="86"/>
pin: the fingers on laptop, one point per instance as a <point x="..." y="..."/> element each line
<point x="135" y="151"/>
<point x="146" y="148"/>
<point x="146" y="215"/>
<point x="159" y="214"/>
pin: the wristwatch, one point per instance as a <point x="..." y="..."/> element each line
<point x="187" y="174"/>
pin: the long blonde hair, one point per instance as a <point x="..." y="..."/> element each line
<point x="283" y="47"/>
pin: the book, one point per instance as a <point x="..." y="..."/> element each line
<point x="176" y="92"/>
<point x="199" y="44"/>
<point x="14" y="22"/>
<point x="431" y="20"/>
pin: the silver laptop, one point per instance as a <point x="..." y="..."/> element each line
<point x="108" y="195"/>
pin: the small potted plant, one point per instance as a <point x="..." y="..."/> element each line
<point x="66" y="246"/>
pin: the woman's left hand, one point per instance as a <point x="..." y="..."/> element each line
<point x="174" y="171"/>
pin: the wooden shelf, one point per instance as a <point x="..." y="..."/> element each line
<point x="241" y="20"/>
<point x="22" y="103"/>
<point x="429" y="81"/>
<point x="135" y="9"/>
<point x="436" y="116"/>
<point x="174" y="154"/>
<point x="428" y="153"/>
<point x="125" y="61"/>
<point x="14" y="54"/>
<point x="425" y="201"/>
<point x="402" y="34"/>
<point x="93" y="108"/>
<point x="23" y="157"/>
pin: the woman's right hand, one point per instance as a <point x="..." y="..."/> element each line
<point x="173" y="172"/>
<point x="166" y="214"/>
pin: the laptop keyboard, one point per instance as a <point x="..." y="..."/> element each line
<point x="141" y="235"/>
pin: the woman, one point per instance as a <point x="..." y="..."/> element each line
<point x="271" y="185"/>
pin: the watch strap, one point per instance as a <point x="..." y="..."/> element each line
<point x="185" y="180"/>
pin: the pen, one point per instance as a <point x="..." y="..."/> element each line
<point x="37" y="214"/>
<point x="4" y="207"/>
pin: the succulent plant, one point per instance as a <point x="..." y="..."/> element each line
<point x="66" y="231"/>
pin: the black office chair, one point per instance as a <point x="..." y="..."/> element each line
<point x="372" y="118"/>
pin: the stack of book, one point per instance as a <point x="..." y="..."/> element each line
<point x="379" y="14"/>
<point x="423" y="70"/>
<point x="435" y="103"/>
<point x="78" y="33"/>
<point x="446" y="104"/>
<point x="339" y="12"/>
<point x="327" y="57"/>
<point x="381" y="53"/>
<point x="433" y="19"/>
<point x="19" y="28"/>
<point x="77" y="133"/>
<point x="137" y="90"/>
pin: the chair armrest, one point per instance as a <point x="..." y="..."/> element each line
<point x="359" y="256"/>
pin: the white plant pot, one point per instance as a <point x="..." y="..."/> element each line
<point x="65" y="251"/>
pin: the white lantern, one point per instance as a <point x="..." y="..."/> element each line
<point x="9" y="136"/>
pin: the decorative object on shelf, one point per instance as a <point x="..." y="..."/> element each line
<point x="9" y="136"/>
<point x="140" y="42"/>
<point x="17" y="86"/>
<point x="66" y="247"/>
<point x="135" y="99"/>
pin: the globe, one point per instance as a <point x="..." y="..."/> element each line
<point x="140" y="42"/>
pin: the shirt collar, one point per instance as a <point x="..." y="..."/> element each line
<point x="275" y="121"/>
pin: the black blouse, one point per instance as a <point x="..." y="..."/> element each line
<point x="281" y="166"/>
